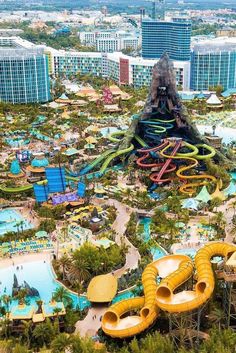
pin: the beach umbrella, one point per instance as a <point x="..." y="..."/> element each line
<point x="41" y="234"/>
<point x="180" y="224"/>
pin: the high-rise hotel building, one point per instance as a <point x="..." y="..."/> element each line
<point x="173" y="37"/>
<point x="213" y="62"/>
<point x="24" y="76"/>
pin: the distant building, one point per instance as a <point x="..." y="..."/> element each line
<point x="226" y="32"/>
<point x="110" y="41"/>
<point x="24" y="76"/>
<point x="142" y="13"/>
<point x="121" y="68"/>
<point x="9" y="32"/>
<point x="162" y="36"/>
<point x="213" y="62"/>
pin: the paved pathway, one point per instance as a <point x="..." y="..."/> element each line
<point x="91" y="323"/>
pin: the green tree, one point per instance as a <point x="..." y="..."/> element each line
<point x="43" y="334"/>
<point x="21" y="296"/>
<point x="27" y="331"/>
<point x="62" y="295"/>
<point x="65" y="263"/>
<point x="20" y="349"/>
<point x="61" y="343"/>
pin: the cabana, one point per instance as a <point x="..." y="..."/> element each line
<point x="190" y="204"/>
<point x="38" y="164"/>
<point x="229" y="92"/>
<point x="63" y="99"/>
<point x="231" y="189"/>
<point x="187" y="96"/>
<point x="91" y="140"/>
<point x="41" y="234"/>
<point x="88" y="92"/>
<point x="89" y="146"/>
<point x="218" y="194"/>
<point x="203" y="195"/>
<point x="70" y="152"/>
<point x="200" y="96"/>
<point x="103" y="242"/>
<point x="214" y="102"/>
<point x="111" y="108"/>
<point x="118" y="93"/>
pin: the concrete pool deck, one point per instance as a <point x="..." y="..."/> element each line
<point x="22" y="259"/>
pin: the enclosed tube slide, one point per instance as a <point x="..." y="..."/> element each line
<point x="174" y="271"/>
<point x="189" y="300"/>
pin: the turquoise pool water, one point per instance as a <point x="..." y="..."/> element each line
<point x="10" y="218"/>
<point x="233" y="175"/>
<point x="122" y="296"/>
<point x="156" y="251"/>
<point x="37" y="274"/>
<point x="189" y="252"/>
<point x="108" y="130"/>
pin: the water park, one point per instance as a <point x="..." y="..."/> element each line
<point x="116" y="229"/>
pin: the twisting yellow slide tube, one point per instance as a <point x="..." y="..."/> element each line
<point x="116" y="324"/>
<point x="192" y="157"/>
<point x="190" y="300"/>
<point x="174" y="271"/>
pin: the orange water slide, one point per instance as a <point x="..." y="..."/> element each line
<point x="167" y="167"/>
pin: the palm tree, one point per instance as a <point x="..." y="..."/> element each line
<point x="61" y="295"/>
<point x="56" y="311"/>
<point x="6" y="299"/>
<point x="170" y="228"/>
<point x="64" y="262"/>
<point x="27" y="331"/>
<point x="61" y="343"/>
<point x="216" y="316"/>
<point x="43" y="333"/>
<point x="233" y="205"/>
<point x="79" y="270"/>
<point x="219" y="221"/>
<point x="21" y="295"/>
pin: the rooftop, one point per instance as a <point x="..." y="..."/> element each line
<point x="215" y="45"/>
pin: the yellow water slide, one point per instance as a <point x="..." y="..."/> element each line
<point x="174" y="270"/>
<point x="192" y="157"/>
<point x="189" y="300"/>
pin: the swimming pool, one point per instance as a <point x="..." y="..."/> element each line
<point x="227" y="133"/>
<point x="156" y="251"/>
<point x="37" y="274"/>
<point x="105" y="131"/>
<point x="189" y="252"/>
<point x="10" y="220"/>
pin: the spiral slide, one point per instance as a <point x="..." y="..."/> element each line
<point x="192" y="157"/>
<point x="157" y="177"/>
<point x="146" y="153"/>
<point x="174" y="271"/>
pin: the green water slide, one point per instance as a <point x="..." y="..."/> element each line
<point x="95" y="162"/>
<point x="140" y="141"/>
<point x="16" y="189"/>
<point x="112" y="137"/>
<point x="209" y="155"/>
<point x="114" y="155"/>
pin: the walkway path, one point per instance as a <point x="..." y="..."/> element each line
<point x="91" y="323"/>
<point x="119" y="226"/>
